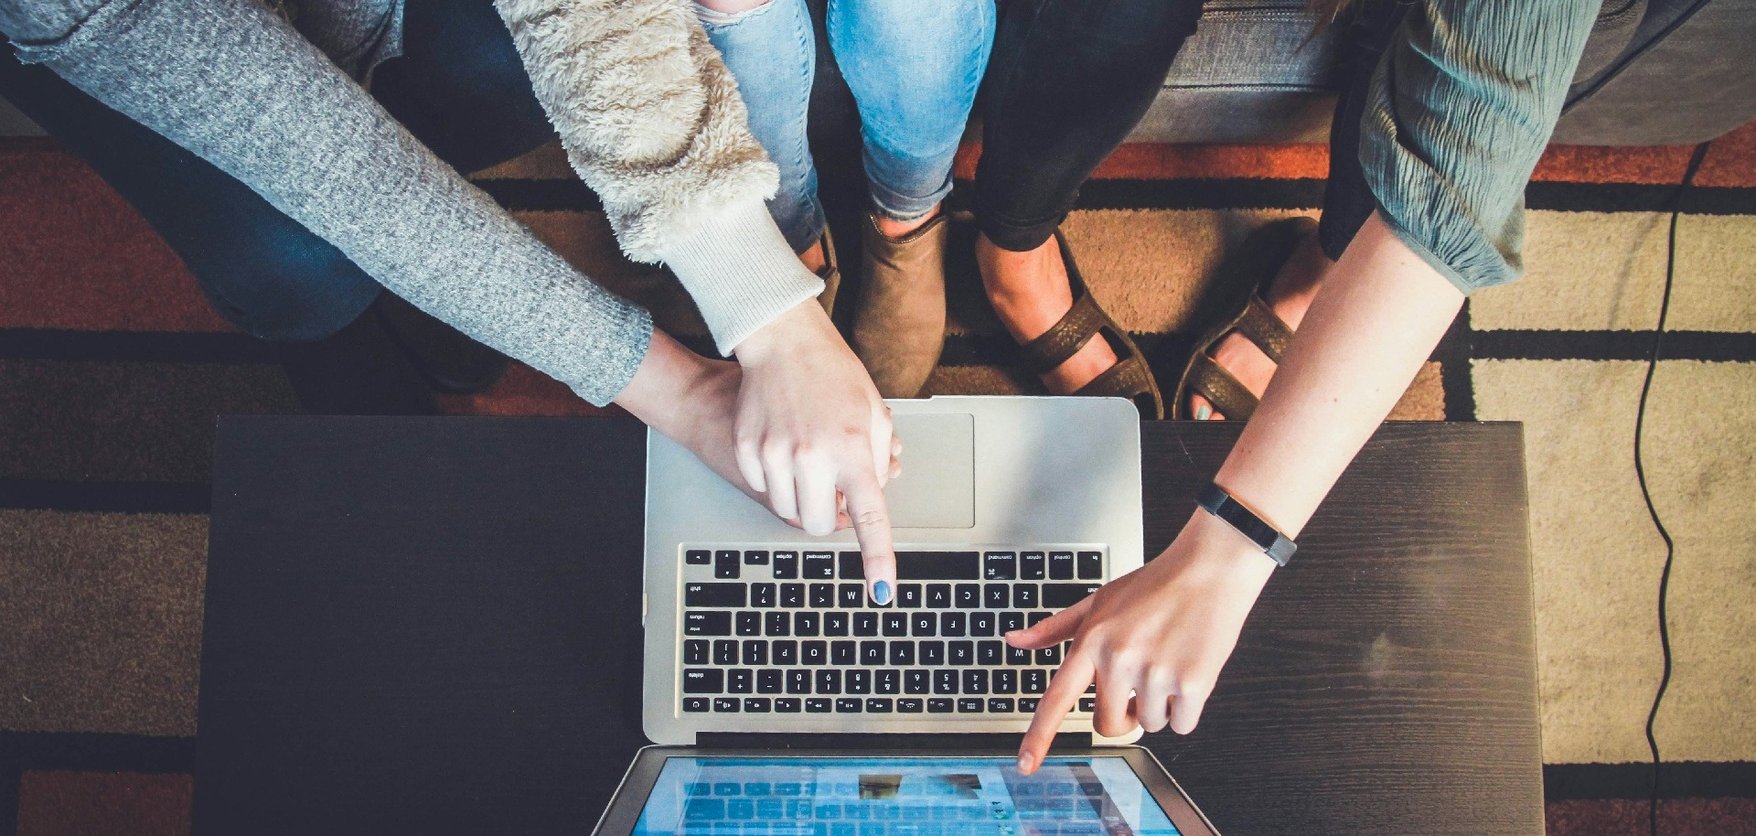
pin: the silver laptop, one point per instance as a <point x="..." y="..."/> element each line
<point x="1008" y="509"/>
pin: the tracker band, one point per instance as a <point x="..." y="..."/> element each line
<point x="1217" y="502"/>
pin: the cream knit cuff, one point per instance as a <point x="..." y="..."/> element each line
<point x="740" y="272"/>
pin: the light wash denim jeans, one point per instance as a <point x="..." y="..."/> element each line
<point x="913" y="66"/>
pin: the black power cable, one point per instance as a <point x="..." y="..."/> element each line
<point x="1664" y="580"/>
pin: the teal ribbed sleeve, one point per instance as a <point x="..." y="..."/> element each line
<point x="1457" y="115"/>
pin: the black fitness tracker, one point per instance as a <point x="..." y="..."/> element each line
<point x="1217" y="502"/>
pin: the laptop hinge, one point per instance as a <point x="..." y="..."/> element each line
<point x="747" y="740"/>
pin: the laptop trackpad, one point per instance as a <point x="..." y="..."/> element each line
<point x="937" y="485"/>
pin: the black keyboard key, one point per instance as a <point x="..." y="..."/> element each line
<point x="1005" y="681"/>
<point x="1024" y="596"/>
<point x="849" y="596"/>
<point x="857" y="681"/>
<point x="908" y="595"/>
<point x="842" y="653"/>
<point x="1062" y="595"/>
<point x="1036" y="680"/>
<point x="740" y="681"/>
<point x="1087" y="704"/>
<point x="1017" y="656"/>
<point x="822" y="595"/>
<point x="848" y="705"/>
<point x="707" y="623"/>
<point x="878" y="705"/>
<point x="817" y="705"/>
<point x="787" y="705"/>
<point x="902" y="653"/>
<point x="916" y="681"/>
<point x="996" y="596"/>
<point x="814" y="652"/>
<point x="932" y="653"/>
<point x="1033" y="566"/>
<point x="1060" y="566"/>
<point x="1035" y="618"/>
<point x="967" y="596"/>
<point x="910" y="705"/>
<point x="952" y="624"/>
<point x="798" y="681"/>
<point x="895" y="624"/>
<point x="1010" y="621"/>
<point x="807" y="624"/>
<point x="944" y="681"/>
<point x="975" y="681"/>
<point x="695" y="652"/>
<point x="1027" y="704"/>
<point x="786" y="565"/>
<point x="1091" y="566"/>
<point x="970" y="705"/>
<point x="748" y="623"/>
<point x="756" y="558"/>
<point x="828" y="681"/>
<point x="703" y="681"/>
<point x="757" y="705"/>
<point x="768" y="681"/>
<point x="818" y="566"/>
<point x="762" y="595"/>
<point x="725" y="652"/>
<point x="989" y="652"/>
<point x="1050" y="655"/>
<point x="714" y="594"/>
<point x="937" y="566"/>
<point x="981" y="624"/>
<point x="726" y="564"/>
<point x="792" y="595"/>
<point x="785" y="652"/>
<point x="923" y="624"/>
<point x="872" y="653"/>
<point x="938" y="596"/>
<point x="852" y="566"/>
<point x="887" y="681"/>
<point x="999" y="705"/>
<point x="835" y="624"/>
<point x="939" y="705"/>
<point x="697" y="557"/>
<point x="999" y="566"/>
<point x="694" y="705"/>
<point x="961" y="653"/>
<point x="777" y="624"/>
<point x="865" y="624"/>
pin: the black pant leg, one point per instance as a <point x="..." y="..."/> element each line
<point x="1069" y="79"/>
<point x="1347" y="201"/>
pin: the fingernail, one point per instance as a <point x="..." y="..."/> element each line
<point x="1024" y="761"/>
<point x="1202" y="412"/>
<point x="881" y="593"/>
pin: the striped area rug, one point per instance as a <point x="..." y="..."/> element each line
<point x="112" y="369"/>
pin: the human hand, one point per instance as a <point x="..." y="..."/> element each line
<point x="813" y="435"/>
<point x="1161" y="633"/>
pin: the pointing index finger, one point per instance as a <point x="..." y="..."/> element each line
<point x="870" y="515"/>
<point x="1064" y="690"/>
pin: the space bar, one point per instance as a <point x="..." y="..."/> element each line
<point x="921" y="566"/>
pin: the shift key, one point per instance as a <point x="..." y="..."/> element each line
<point x="1062" y="595"/>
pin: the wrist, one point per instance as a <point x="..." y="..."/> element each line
<point x="658" y="391"/>
<point x="1219" y="549"/>
<point x="798" y="324"/>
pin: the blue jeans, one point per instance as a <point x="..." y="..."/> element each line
<point x="913" y="66"/>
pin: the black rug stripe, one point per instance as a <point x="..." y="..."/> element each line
<point x="1453" y="354"/>
<point x="1706" y="346"/>
<point x="106" y="497"/>
<point x="1681" y="779"/>
<point x="570" y="195"/>
<point x="133" y="346"/>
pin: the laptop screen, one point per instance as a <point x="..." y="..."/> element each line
<point x="830" y="796"/>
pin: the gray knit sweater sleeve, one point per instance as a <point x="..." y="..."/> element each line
<point x="1457" y="115"/>
<point x="234" y="84"/>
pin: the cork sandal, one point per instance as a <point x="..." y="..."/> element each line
<point x="1129" y="378"/>
<point x="1254" y="266"/>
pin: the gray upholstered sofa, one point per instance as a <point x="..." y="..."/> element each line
<point x="1656" y="72"/>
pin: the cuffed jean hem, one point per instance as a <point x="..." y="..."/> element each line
<point x="802" y="226"/>
<point x="900" y="207"/>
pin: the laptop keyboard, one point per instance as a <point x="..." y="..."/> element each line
<point x="791" y="631"/>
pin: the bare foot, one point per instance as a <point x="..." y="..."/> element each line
<point x="1030" y="293"/>
<point x="1289" y="296"/>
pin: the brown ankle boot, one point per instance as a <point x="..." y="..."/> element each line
<point x="830" y="273"/>
<point x="899" y="322"/>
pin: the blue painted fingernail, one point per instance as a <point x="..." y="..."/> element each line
<point x="1202" y="412"/>
<point x="881" y="592"/>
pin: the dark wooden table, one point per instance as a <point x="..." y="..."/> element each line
<point x="432" y="625"/>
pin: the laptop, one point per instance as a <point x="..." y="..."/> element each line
<point x="783" y="701"/>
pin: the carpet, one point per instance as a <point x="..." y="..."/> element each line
<point x="112" y="369"/>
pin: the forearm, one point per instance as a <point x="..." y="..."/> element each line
<point x="1375" y="321"/>
<point x="237" y="86"/>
